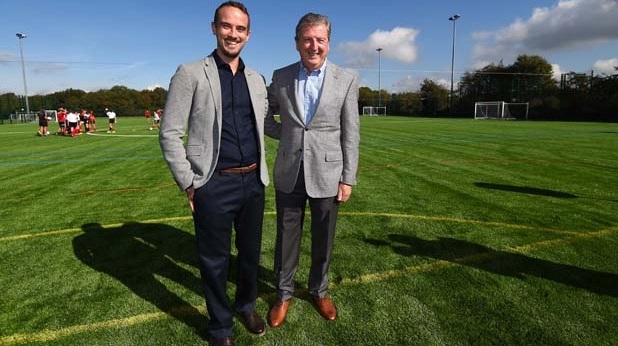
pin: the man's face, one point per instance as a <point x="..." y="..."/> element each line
<point x="313" y="45"/>
<point x="232" y="32"/>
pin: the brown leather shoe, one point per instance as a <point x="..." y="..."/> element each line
<point x="276" y="315"/>
<point x="253" y="322"/>
<point x="326" y="307"/>
<point x="227" y="341"/>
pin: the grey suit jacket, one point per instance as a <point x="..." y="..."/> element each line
<point x="328" y="145"/>
<point x="193" y="106"/>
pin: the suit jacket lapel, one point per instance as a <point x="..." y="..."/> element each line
<point x="327" y="92"/>
<point x="212" y="75"/>
<point x="253" y="83"/>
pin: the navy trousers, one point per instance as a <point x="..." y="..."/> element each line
<point x="228" y="201"/>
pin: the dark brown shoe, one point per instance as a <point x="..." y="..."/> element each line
<point x="276" y="315"/>
<point x="253" y="322"/>
<point x="227" y="341"/>
<point x="326" y="307"/>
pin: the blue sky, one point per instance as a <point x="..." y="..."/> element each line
<point x="92" y="45"/>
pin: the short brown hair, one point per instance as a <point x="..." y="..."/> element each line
<point x="236" y="4"/>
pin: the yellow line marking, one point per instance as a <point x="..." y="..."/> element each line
<point x="50" y="335"/>
<point x="439" y="264"/>
<point x="272" y="213"/>
<point x="549" y="243"/>
<point x="460" y="220"/>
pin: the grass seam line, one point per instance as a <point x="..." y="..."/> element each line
<point x="271" y="213"/>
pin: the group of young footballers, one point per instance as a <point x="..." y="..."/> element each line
<point x="73" y="123"/>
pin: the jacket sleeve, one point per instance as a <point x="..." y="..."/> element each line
<point x="174" y="127"/>
<point x="272" y="127"/>
<point x="350" y="133"/>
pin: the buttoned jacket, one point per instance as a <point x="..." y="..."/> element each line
<point x="327" y="147"/>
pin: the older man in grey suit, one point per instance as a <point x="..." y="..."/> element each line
<point x="221" y="105"/>
<point x="316" y="161"/>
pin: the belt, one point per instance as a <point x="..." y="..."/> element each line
<point x="239" y="170"/>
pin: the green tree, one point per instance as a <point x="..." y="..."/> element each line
<point x="434" y="97"/>
<point x="407" y="103"/>
<point x="528" y="79"/>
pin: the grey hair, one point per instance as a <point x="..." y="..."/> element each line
<point x="311" y="19"/>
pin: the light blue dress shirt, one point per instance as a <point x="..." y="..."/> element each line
<point x="309" y="88"/>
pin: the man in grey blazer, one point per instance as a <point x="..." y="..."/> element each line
<point x="316" y="161"/>
<point x="220" y="105"/>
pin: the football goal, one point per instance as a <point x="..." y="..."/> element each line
<point x="33" y="116"/>
<point x="501" y="110"/>
<point x="373" y="111"/>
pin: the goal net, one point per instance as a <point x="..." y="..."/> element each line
<point x="501" y="110"/>
<point x="34" y="116"/>
<point x="373" y="110"/>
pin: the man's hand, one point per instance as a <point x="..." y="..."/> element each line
<point x="344" y="192"/>
<point x="190" y="192"/>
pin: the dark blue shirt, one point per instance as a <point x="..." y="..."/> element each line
<point x="239" y="146"/>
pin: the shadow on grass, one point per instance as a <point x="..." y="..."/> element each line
<point x="534" y="191"/>
<point x="525" y="189"/>
<point x="502" y="262"/>
<point x="136" y="254"/>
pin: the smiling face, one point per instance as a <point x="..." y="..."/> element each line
<point x="313" y="44"/>
<point x="232" y="31"/>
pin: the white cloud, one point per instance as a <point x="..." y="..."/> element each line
<point x="408" y="84"/>
<point x="397" y="44"/>
<point x="557" y="72"/>
<point x="569" y="24"/>
<point x="444" y="82"/>
<point x="413" y="84"/>
<point x="154" y="86"/>
<point x="607" y="67"/>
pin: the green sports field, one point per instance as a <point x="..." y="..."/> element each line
<point x="459" y="232"/>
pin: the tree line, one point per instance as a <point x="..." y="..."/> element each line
<point x="529" y="79"/>
<point x="124" y="101"/>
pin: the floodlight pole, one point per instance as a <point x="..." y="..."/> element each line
<point x="379" y="50"/>
<point x="453" y="18"/>
<point x="21" y="36"/>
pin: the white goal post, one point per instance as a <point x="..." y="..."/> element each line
<point x="373" y="110"/>
<point x="501" y="110"/>
<point x="34" y="116"/>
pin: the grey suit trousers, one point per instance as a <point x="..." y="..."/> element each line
<point x="290" y="219"/>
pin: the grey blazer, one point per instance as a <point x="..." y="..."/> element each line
<point x="328" y="145"/>
<point x="193" y="107"/>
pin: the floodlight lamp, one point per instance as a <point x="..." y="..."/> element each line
<point x="454" y="17"/>
<point x="20" y="35"/>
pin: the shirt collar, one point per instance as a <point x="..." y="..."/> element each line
<point x="220" y="63"/>
<point x="304" y="70"/>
